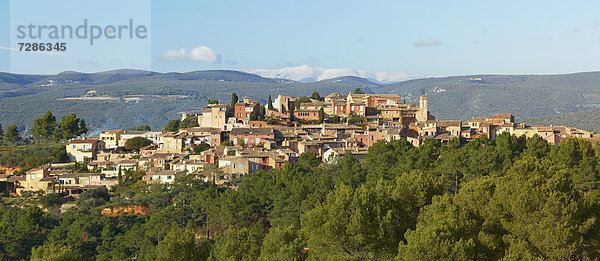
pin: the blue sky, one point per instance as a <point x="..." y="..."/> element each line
<point x="423" y="37"/>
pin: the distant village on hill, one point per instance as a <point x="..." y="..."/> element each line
<point x="228" y="141"/>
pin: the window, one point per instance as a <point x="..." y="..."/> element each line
<point x="257" y="140"/>
<point x="169" y="177"/>
<point x="241" y="165"/>
<point x="234" y="165"/>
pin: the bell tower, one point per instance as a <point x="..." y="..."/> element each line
<point x="423" y="113"/>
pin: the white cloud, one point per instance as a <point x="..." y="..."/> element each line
<point x="200" y="53"/>
<point x="203" y="53"/>
<point x="427" y="42"/>
<point x="173" y="55"/>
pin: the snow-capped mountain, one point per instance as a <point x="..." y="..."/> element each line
<point x="306" y="73"/>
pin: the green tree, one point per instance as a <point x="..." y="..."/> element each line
<point x="351" y="225"/>
<point x="71" y="126"/>
<point x="316" y="96"/>
<point x="292" y="110"/>
<point x="213" y="101"/>
<point x="189" y="122"/>
<point x="201" y="147"/>
<point x="141" y="128"/>
<point x="349" y="171"/>
<point x="282" y="243"/>
<point x="44" y="127"/>
<point x="83" y="129"/>
<point x="533" y="212"/>
<point x="136" y="143"/>
<point x="234" y="99"/>
<point x="298" y="102"/>
<point x="21" y="230"/>
<point x="321" y="115"/>
<point x="173" y="125"/>
<point x="54" y="252"/>
<point x="60" y="155"/>
<point x="262" y="113"/>
<point x="439" y="234"/>
<point x="239" y="243"/>
<point x="52" y="200"/>
<point x="536" y="146"/>
<point x="12" y="135"/>
<point x="92" y="198"/>
<point x="270" y="103"/>
<point x="179" y="244"/>
<point x="358" y="91"/>
<point x="367" y="222"/>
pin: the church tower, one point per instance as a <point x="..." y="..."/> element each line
<point x="423" y="113"/>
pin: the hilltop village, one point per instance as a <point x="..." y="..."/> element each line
<point x="229" y="141"/>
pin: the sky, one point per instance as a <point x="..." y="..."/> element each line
<point x="438" y="38"/>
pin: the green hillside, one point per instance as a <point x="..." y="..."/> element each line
<point x="29" y="97"/>
<point x="587" y="120"/>
<point x="131" y="97"/>
<point x="463" y="97"/>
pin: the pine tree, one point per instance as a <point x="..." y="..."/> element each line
<point x="234" y="99"/>
<point x="270" y="103"/>
<point x="321" y="115"/>
<point x="316" y="96"/>
<point x="44" y="127"/>
<point x="263" y="112"/>
<point x="83" y="129"/>
<point x="173" y="125"/>
<point x="71" y="126"/>
<point x="12" y="135"/>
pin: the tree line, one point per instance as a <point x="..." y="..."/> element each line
<point x="508" y="198"/>
<point x="45" y="129"/>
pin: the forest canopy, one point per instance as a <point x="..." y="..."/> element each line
<point x="509" y="198"/>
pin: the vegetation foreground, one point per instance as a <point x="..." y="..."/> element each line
<point x="511" y="198"/>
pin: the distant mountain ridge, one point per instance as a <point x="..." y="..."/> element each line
<point x="132" y="97"/>
<point x="306" y="73"/>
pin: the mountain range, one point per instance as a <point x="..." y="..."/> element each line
<point x="126" y="98"/>
<point x="306" y="73"/>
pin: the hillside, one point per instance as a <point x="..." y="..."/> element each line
<point x="127" y="98"/>
<point x="587" y="120"/>
<point x="526" y="96"/>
